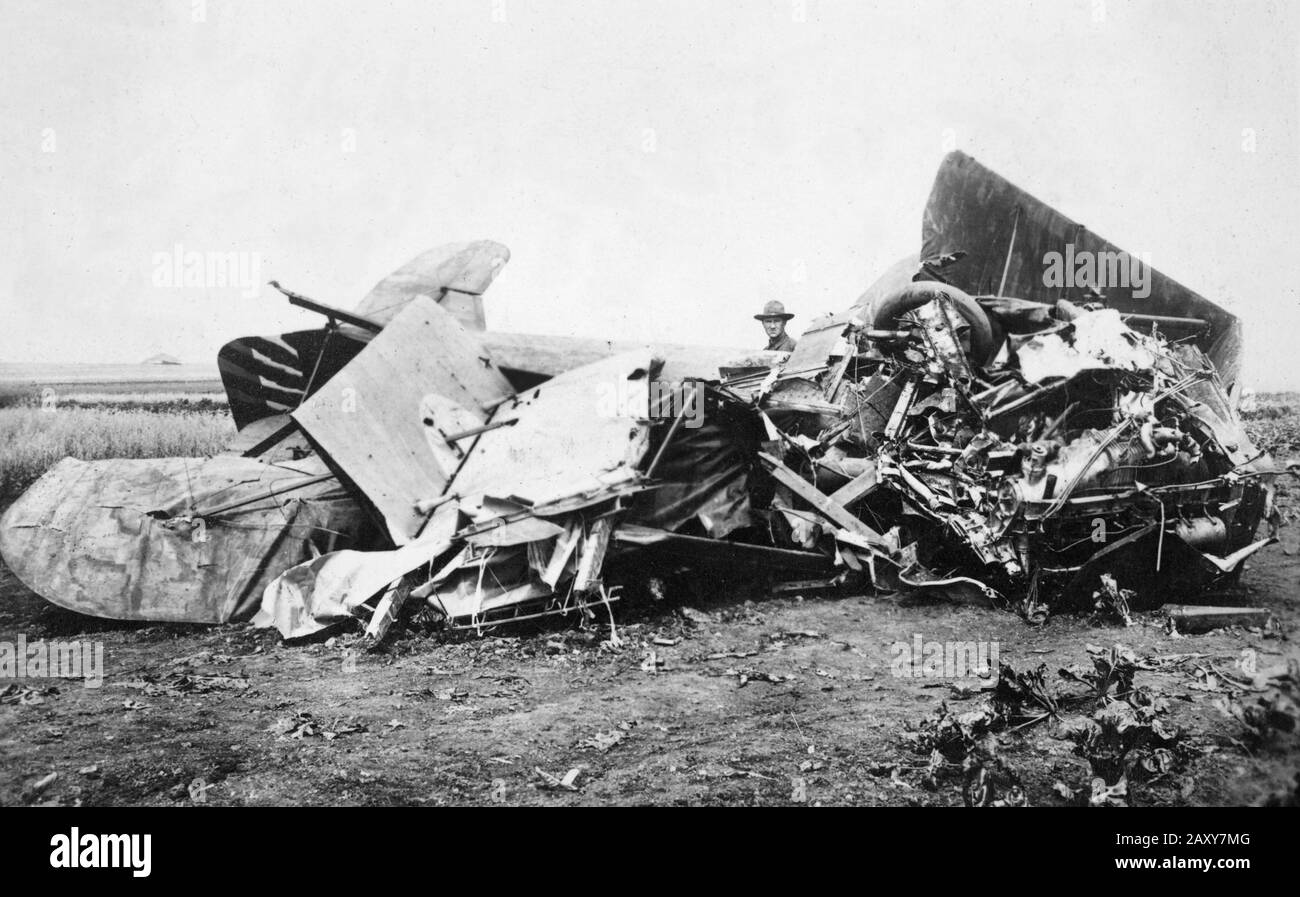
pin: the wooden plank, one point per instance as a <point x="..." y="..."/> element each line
<point x="593" y="556"/>
<point x="564" y="546"/>
<point x="901" y="408"/>
<point x="820" y="501"/>
<point x="721" y="552"/>
<point x="807" y="407"/>
<point x="855" y="488"/>
<point x="367" y="419"/>
<point x="386" y="614"/>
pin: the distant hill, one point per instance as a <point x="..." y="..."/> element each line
<point x="161" y="358"/>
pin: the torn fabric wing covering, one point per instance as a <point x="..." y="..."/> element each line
<point x="579" y="434"/>
<point x="309" y="597"/>
<point x="153" y="539"/>
<point x="574" y="443"/>
<point x="1005" y="234"/>
<point x="703" y="474"/>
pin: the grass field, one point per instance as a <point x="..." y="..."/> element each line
<point x="34" y="437"/>
<point x="91" y="411"/>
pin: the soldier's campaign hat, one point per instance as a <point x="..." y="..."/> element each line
<point x="773" y="309"/>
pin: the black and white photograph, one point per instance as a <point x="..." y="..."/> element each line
<point x="650" y="403"/>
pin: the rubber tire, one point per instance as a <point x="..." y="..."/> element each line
<point x="892" y="307"/>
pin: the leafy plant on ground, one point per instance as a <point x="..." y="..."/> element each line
<point x="1122" y="735"/>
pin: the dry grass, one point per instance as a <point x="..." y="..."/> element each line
<point x="32" y="439"/>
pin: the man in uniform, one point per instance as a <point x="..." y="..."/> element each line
<point x="774" y="317"/>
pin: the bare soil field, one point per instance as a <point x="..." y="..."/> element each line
<point x="717" y="695"/>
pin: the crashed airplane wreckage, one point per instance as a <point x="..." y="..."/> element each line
<point x="962" y="426"/>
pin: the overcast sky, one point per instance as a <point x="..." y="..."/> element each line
<point x="657" y="169"/>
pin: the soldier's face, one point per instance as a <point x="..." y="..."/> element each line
<point x="773" y="327"/>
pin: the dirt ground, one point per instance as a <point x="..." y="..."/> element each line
<point x="231" y="716"/>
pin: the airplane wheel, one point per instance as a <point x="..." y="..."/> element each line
<point x="892" y="307"/>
